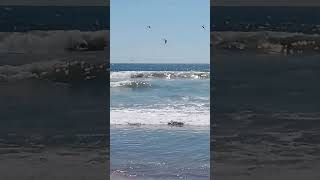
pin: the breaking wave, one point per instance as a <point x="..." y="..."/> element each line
<point x="63" y="69"/>
<point x="60" y="71"/>
<point x="267" y="42"/>
<point x="160" y="74"/>
<point x="130" y="84"/>
<point x="53" y="41"/>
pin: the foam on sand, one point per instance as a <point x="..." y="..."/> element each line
<point x="189" y="116"/>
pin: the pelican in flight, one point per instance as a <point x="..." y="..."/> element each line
<point x="165" y="41"/>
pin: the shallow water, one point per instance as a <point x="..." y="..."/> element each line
<point x="160" y="152"/>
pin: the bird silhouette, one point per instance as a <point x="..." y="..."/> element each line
<point x="203" y="27"/>
<point x="165" y="41"/>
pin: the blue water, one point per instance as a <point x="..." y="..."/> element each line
<point x="160" y="153"/>
<point x="144" y="98"/>
<point x="159" y="67"/>
<point x="165" y="92"/>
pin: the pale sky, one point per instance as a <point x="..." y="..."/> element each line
<point x="178" y="21"/>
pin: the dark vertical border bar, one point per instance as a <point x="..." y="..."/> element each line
<point x="54" y="90"/>
<point x="109" y="95"/>
<point x="265" y="90"/>
<point x="212" y="95"/>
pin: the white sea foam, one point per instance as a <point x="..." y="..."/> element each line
<point x="159" y="116"/>
<point x="130" y="84"/>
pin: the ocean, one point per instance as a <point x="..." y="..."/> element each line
<point x="144" y="99"/>
<point x="161" y="91"/>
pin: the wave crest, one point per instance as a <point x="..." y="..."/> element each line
<point x="59" y="71"/>
<point x="130" y="84"/>
<point x="51" y="42"/>
<point x="267" y="42"/>
<point x="160" y="74"/>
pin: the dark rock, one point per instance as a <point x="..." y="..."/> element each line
<point x="175" y="123"/>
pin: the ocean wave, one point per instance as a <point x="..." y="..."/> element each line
<point x="267" y="42"/>
<point x="53" y="41"/>
<point x="193" y="98"/>
<point x="60" y="71"/>
<point x="160" y="74"/>
<point x="188" y="116"/>
<point x="130" y="84"/>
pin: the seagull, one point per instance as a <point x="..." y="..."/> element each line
<point x="203" y="27"/>
<point x="165" y="41"/>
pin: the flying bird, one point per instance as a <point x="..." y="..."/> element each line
<point x="203" y="27"/>
<point x="165" y="41"/>
<point x="148" y="27"/>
